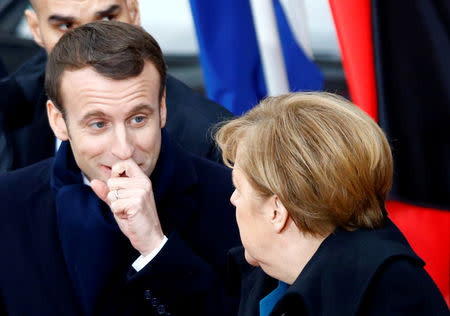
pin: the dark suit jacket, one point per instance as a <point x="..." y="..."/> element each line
<point x="352" y="273"/>
<point x="3" y="71"/>
<point x="185" y="278"/>
<point x="190" y="116"/>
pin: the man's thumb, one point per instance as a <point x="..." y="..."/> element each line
<point x="101" y="189"/>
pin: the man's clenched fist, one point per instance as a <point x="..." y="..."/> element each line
<point x="129" y="194"/>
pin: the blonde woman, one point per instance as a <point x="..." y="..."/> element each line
<point x="312" y="172"/>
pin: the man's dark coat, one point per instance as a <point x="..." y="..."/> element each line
<point x="190" y="116"/>
<point x="185" y="278"/>
<point x="364" y="272"/>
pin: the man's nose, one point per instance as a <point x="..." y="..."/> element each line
<point x="123" y="146"/>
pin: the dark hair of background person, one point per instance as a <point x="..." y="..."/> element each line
<point x="114" y="49"/>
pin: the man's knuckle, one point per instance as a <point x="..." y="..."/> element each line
<point x="110" y="182"/>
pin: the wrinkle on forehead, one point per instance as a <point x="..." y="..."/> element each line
<point x="89" y="87"/>
<point x="78" y="9"/>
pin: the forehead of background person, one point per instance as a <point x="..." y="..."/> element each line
<point x="76" y="8"/>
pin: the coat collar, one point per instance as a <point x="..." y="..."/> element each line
<point x="172" y="179"/>
<point x="45" y="245"/>
<point x="174" y="171"/>
<point x="341" y="270"/>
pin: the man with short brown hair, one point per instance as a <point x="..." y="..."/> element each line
<point x="122" y="221"/>
<point x="22" y="96"/>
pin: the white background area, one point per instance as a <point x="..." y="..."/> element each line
<point x="171" y="23"/>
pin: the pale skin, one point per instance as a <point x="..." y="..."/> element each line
<point x="125" y="164"/>
<point x="268" y="233"/>
<point x="114" y="129"/>
<point x="113" y="158"/>
<point x="50" y="19"/>
<point x="135" y="211"/>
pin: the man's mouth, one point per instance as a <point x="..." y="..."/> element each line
<point x="106" y="168"/>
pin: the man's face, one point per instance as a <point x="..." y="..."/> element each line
<point x="108" y="120"/>
<point x="52" y="18"/>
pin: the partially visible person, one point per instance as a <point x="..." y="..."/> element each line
<point x="312" y="172"/>
<point x="22" y="96"/>
<point x="122" y="221"/>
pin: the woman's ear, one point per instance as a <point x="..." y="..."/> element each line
<point x="280" y="215"/>
<point x="57" y="121"/>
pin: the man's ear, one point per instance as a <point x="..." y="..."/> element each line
<point x="33" y="23"/>
<point x="163" y="110"/>
<point x="57" y="122"/>
<point x="133" y="8"/>
<point x="279" y="215"/>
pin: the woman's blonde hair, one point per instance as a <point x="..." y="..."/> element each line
<point x="328" y="161"/>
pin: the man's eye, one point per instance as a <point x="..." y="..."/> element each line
<point x="98" y="125"/>
<point x="108" y="18"/>
<point x="65" y="26"/>
<point x="138" y="119"/>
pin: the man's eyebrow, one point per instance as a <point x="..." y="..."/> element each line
<point x="111" y="10"/>
<point x="97" y="113"/>
<point x="91" y="114"/>
<point x="139" y="108"/>
<point x="60" y="18"/>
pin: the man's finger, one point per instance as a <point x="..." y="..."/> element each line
<point x="122" y="194"/>
<point x="113" y="196"/>
<point x="122" y="208"/>
<point x="127" y="167"/>
<point x="127" y="183"/>
<point x="100" y="189"/>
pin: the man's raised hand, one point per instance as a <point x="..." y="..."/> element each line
<point x="129" y="194"/>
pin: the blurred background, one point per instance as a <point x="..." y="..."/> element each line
<point x="171" y="23"/>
